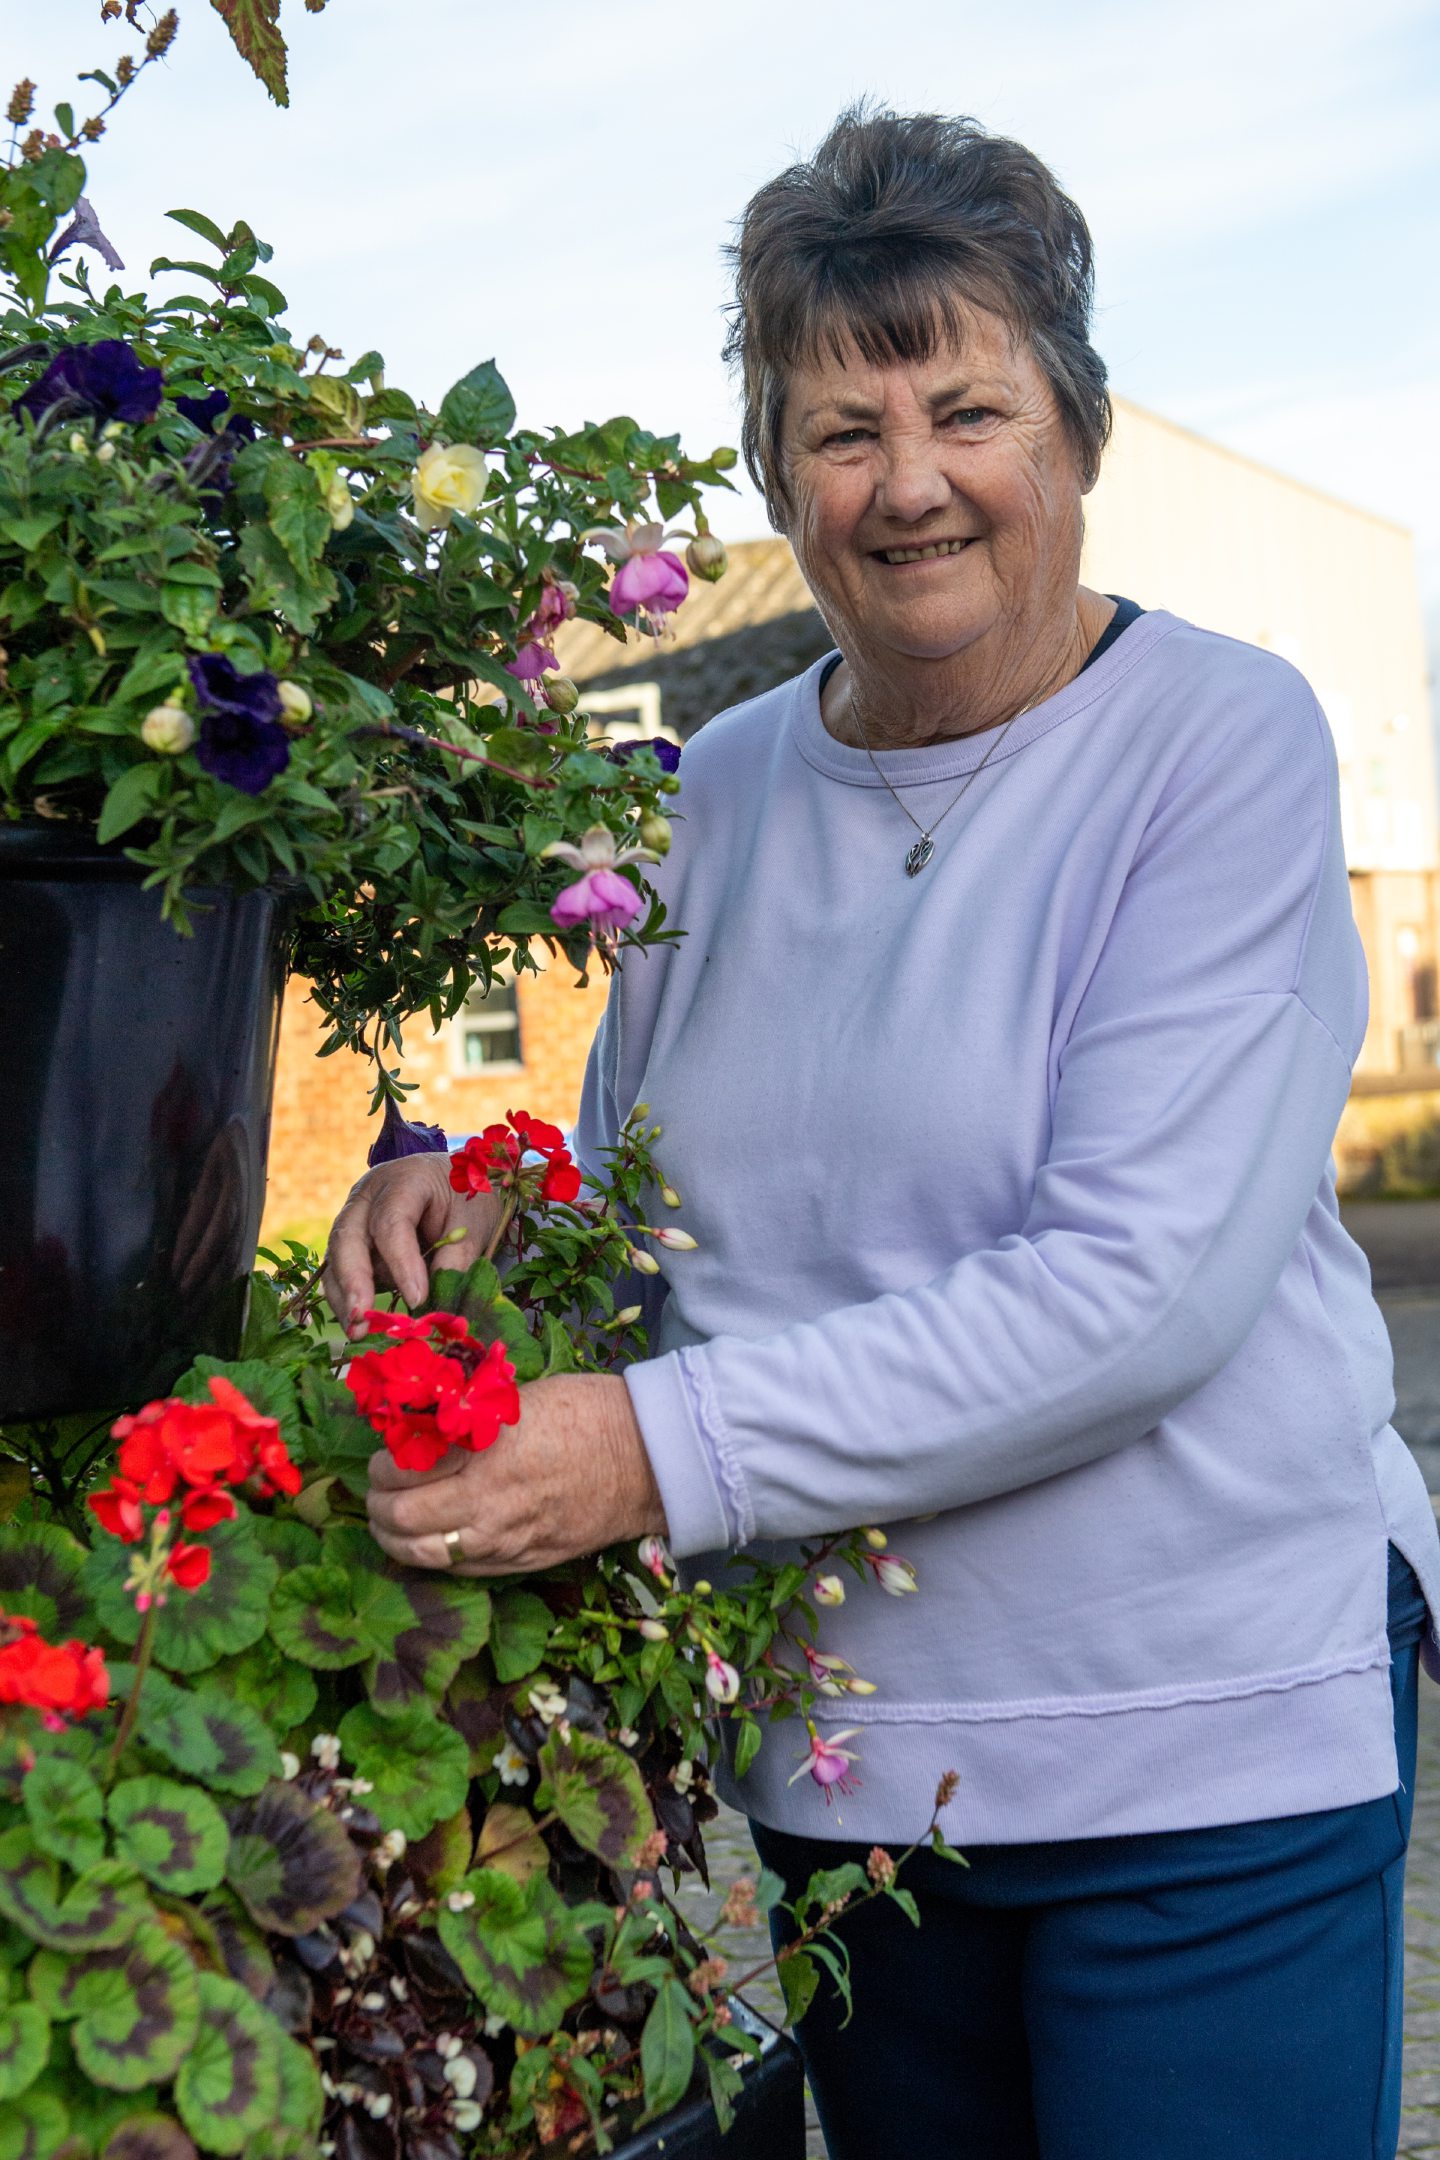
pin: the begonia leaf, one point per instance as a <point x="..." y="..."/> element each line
<point x="208" y="1732"/>
<point x="33" y="2127"/>
<point x="24" y="2046"/>
<point x="242" y="1947"/>
<point x="228" y="2087"/>
<point x="194" y="1627"/>
<point x="41" y="1578"/>
<point x="263" y="1679"/>
<point x="419" y="1766"/>
<point x="440" y="1859"/>
<point x="519" y="1630"/>
<point x="66" y="1811"/>
<point x="292" y="1862"/>
<point x="521" y="1948"/>
<point x="135" y="2007"/>
<point x="475" y="1706"/>
<point x="149" y="2137"/>
<point x="510" y="1841"/>
<point x="102" y="1906"/>
<point x="92" y="2113"/>
<point x="599" y="1795"/>
<point x="173" y="1833"/>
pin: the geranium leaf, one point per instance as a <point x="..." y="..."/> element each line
<point x="475" y="1706"/>
<point x="254" y="26"/>
<point x="337" y="1439"/>
<point x="313" y="1618"/>
<point x="40" y="1578"/>
<point x="510" y="1842"/>
<point x="519" y="1630"/>
<point x="173" y="1833"/>
<point x="24" y="2047"/>
<point x="419" y="1766"/>
<point x="302" y="2100"/>
<point x="667" y="2050"/>
<point x="135" y="2007"/>
<point x="599" y="1795"/>
<point x="521" y="1949"/>
<point x="195" y="1627"/>
<point x="291" y="1862"/>
<point x="439" y="1860"/>
<point x="419" y="1626"/>
<point x="102" y="1906"/>
<point x="228" y="2087"/>
<point x="33" y="2127"/>
<point x="149" y="2137"/>
<point x="267" y="1388"/>
<point x="208" y="1733"/>
<point x="263" y="1679"/>
<point x="66" y="1809"/>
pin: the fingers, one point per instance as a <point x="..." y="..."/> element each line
<point x="386" y="1474"/>
<point x="416" y="1510"/>
<point x="377" y="1233"/>
<point x="423" y="1552"/>
<point x="349" y="1279"/>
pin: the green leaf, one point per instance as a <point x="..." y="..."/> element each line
<point x="769" y="1890"/>
<point x="747" y="1744"/>
<point x="799" y="1978"/>
<point x="33" y="2127"/>
<point x="135" y="2007"/>
<point x="24" y="2047"/>
<point x="479" y="408"/>
<point x="420" y="1626"/>
<point x="66" y="1809"/>
<point x="173" y="1833"/>
<point x="267" y="1388"/>
<point x="302" y="2099"/>
<point x="419" y="1766"/>
<point x="228" y="2087"/>
<point x="667" y="2049"/>
<point x="149" y="2136"/>
<point x="133" y="796"/>
<point x="313" y="1618"/>
<point x="725" y="2088"/>
<point x="279" y="1691"/>
<point x="520" y="1625"/>
<point x="275" y="582"/>
<point x="195" y="1627"/>
<point x="827" y="1886"/>
<point x="28" y="532"/>
<point x="41" y="1578"/>
<point x="298" y="516"/>
<point x="291" y="1863"/>
<point x="599" y="1795"/>
<point x="190" y="608"/>
<point x="102" y="1906"/>
<point x="906" y="1902"/>
<point x="209" y="1732"/>
<point x="254" y="27"/>
<point x="521" y="1948"/>
<point x="196" y="221"/>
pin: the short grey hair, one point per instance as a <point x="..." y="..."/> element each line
<point x="897" y="226"/>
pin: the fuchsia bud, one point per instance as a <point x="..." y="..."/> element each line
<point x="675" y="1240"/>
<point x="707" y="557"/>
<point x="722" y="1682"/>
<point x="654" y="1631"/>
<point x="828" y="1590"/>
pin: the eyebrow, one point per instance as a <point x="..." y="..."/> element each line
<point x="859" y="408"/>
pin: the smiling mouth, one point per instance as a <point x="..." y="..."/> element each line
<point x="932" y="553"/>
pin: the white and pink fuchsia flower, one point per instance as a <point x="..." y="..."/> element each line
<point x="829" y="1763"/>
<point x="599" y="896"/>
<point x="650" y="582"/>
<point x="722" y="1682"/>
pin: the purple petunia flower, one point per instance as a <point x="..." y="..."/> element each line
<point x="241" y="739"/>
<point x="84" y="231"/>
<point x="667" y="752"/>
<point x="208" y="464"/>
<point x="400" y="1136"/>
<point x="203" y="411"/>
<point x="105" y="379"/>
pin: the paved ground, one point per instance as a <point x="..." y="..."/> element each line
<point x="1403" y="1241"/>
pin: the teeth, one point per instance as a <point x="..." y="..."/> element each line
<point x="925" y="554"/>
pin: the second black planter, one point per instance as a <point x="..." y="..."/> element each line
<point x="769" y="2112"/>
<point x="138" y="1067"/>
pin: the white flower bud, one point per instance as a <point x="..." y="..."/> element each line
<point x="860" y="1687"/>
<point x="289" y="1764"/>
<point x="104" y="454"/>
<point x="466" y="2114"/>
<point x="669" y="1195"/>
<point x="339" y="503"/>
<point x="296" y="704"/>
<point x="460" y="2073"/>
<point x="656" y="832"/>
<point x="112" y="430"/>
<point x="876" y="1539"/>
<point x="562" y="696"/>
<point x="626" y="1316"/>
<point x="325" y="1748"/>
<point x="675" y="1240"/>
<point x="78" y="445"/>
<point x="168" y="729"/>
<point x="654" y="1630"/>
<point x="828" y="1590"/>
<point x="644" y="1262"/>
<point x="460" y="1900"/>
<point x="707" y="558"/>
<point x="701" y="1589"/>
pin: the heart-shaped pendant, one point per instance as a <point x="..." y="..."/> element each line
<point x="919" y="855"/>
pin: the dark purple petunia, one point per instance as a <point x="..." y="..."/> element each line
<point x="208" y="464"/>
<point x="401" y="1136"/>
<point x="667" y="752"/>
<point x="203" y="411"/>
<point x="241" y="739"/>
<point x="105" y="379"/>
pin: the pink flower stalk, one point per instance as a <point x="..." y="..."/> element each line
<point x="722" y="1682"/>
<point x="829" y="1763"/>
<point x="601" y="897"/>
<point x="531" y="662"/>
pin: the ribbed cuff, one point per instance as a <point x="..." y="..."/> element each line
<point x="680" y="1456"/>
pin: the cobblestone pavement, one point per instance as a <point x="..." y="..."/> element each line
<point x="1403" y="1240"/>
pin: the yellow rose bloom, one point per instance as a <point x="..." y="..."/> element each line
<point x="446" y="479"/>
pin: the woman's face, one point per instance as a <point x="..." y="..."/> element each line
<point x="934" y="501"/>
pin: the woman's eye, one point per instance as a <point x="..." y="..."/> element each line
<point x="846" y="438"/>
<point x="971" y="415"/>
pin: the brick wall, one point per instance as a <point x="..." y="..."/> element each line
<point x="321" y="1127"/>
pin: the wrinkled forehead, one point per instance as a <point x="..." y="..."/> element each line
<point x="953" y="342"/>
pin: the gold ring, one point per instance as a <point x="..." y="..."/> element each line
<point x="452" y="1547"/>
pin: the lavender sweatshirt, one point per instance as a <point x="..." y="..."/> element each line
<point x="1018" y="1235"/>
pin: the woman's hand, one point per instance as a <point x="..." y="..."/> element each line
<point x="394" y="1215"/>
<point x="571" y="1477"/>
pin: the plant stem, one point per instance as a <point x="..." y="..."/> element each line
<point x="131" y="1711"/>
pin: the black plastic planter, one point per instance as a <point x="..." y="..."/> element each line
<point x="137" y="1073"/>
<point x="769" y="2113"/>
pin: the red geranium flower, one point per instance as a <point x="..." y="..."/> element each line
<point x="51" y="1677"/>
<point x="422" y="1399"/>
<point x="118" y="1510"/>
<point x="562" y="1178"/>
<point x="189" y="1565"/>
<point x="544" y="1139"/>
<point x="202" y="1510"/>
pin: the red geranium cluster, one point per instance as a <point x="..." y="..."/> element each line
<point x="50" y="1677"/>
<point x="496" y="1153"/>
<point x="434" y="1388"/>
<point x="198" y="1449"/>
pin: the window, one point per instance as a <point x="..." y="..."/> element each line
<point x="488" y="1030"/>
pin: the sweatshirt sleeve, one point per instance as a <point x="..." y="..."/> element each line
<point x="1202" y="1060"/>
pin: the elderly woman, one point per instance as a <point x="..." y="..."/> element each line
<point x="999" y="1068"/>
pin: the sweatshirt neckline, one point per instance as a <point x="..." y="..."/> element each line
<point x="952" y="760"/>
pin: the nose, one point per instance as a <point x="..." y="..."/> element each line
<point x="913" y="482"/>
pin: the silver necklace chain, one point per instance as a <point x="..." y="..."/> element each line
<point x="922" y="849"/>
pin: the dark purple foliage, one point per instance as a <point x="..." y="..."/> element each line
<point x="399" y="1136"/>
<point x="105" y="379"/>
<point x="668" y="753"/>
<point x="241" y="739"/>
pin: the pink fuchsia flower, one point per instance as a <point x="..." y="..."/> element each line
<point x="531" y="662"/>
<point x="600" y="896"/>
<point x="722" y="1682"/>
<point x="650" y="582"/>
<point x="557" y="604"/>
<point x="829" y="1763"/>
<point x="895" y="1576"/>
<point x="824" y="1666"/>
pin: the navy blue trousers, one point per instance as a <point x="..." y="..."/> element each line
<point x="1219" y="1994"/>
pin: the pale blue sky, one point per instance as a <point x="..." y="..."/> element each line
<point x="553" y="185"/>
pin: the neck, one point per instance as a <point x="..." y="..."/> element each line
<point x="891" y="701"/>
